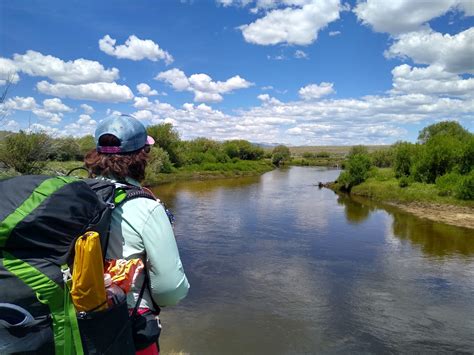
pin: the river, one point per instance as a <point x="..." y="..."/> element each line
<point x="279" y="266"/>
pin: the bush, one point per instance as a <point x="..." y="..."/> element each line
<point x="26" y="153"/>
<point x="358" y="169"/>
<point x="382" y="158"/>
<point x="243" y="150"/>
<point x="404" y="181"/>
<point x="436" y="158"/>
<point x="322" y="154"/>
<point x="358" y="149"/>
<point x="448" y="184"/>
<point x="280" y="155"/>
<point x="308" y="155"/>
<point x="466" y="187"/>
<point x="403" y="156"/>
<point x="159" y="162"/>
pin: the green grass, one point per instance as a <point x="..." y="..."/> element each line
<point x="212" y="171"/>
<point x="383" y="186"/>
<point x="331" y="161"/>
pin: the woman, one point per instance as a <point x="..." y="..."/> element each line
<point x="140" y="227"/>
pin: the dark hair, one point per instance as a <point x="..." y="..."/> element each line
<point x="117" y="166"/>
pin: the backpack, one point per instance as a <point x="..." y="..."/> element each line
<point x="41" y="217"/>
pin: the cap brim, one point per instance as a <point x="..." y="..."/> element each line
<point x="150" y="140"/>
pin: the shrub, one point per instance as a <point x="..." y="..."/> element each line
<point x="466" y="187"/>
<point x="382" y="158"/>
<point x="280" y="155"/>
<point x="308" y="155"/>
<point x="159" y="162"/>
<point x="446" y="128"/>
<point x="403" y="156"/>
<point x="436" y="158"/>
<point x="322" y="154"/>
<point x="26" y="153"/>
<point x="404" y="181"/>
<point x="448" y="184"/>
<point x="358" y="149"/>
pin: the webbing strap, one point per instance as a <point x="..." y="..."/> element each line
<point x="72" y="336"/>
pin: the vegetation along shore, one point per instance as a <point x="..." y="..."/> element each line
<point x="433" y="178"/>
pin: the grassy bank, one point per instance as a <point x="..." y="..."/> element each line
<point x="382" y="186"/>
<point x="212" y="171"/>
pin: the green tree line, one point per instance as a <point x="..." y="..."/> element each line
<point x="28" y="153"/>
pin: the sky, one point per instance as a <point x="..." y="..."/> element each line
<point x="295" y="72"/>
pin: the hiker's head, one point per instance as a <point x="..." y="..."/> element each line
<point x="122" y="147"/>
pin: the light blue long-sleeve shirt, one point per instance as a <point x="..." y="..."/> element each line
<point x="140" y="228"/>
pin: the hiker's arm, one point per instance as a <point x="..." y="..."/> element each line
<point x="167" y="279"/>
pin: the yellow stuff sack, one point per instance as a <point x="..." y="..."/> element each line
<point x="88" y="289"/>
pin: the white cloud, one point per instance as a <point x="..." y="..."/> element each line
<point x="101" y="92"/>
<point x="8" y="71"/>
<point x="334" y="33"/>
<point x="399" y="16"/>
<point x="52" y="117"/>
<point x="176" y="78"/>
<point x="83" y="126"/>
<point x="79" y="71"/>
<point x="134" y="49"/>
<point x="88" y="110"/>
<point x="202" y="85"/>
<point x="299" y="54"/>
<point x="143" y="115"/>
<point x="12" y="126"/>
<point x="20" y="103"/>
<point x="453" y="53"/>
<point x="432" y="80"/>
<point x="268" y="100"/>
<point x="296" y="24"/>
<point x="145" y="90"/>
<point x="315" y="91"/>
<point x="55" y="105"/>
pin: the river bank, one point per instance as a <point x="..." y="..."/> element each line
<point x="419" y="199"/>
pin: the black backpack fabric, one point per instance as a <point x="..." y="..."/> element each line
<point x="40" y="219"/>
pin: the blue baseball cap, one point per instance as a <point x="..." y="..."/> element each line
<point x="127" y="129"/>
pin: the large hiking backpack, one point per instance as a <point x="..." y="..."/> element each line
<point x="41" y="217"/>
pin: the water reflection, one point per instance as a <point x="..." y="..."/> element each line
<point x="434" y="239"/>
<point x="279" y="266"/>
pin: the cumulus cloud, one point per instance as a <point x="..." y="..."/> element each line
<point x="79" y="71"/>
<point x="399" y="16"/>
<point x="82" y="126"/>
<point x="315" y="91"/>
<point x="298" y="23"/>
<point x="145" y="90"/>
<point x="134" y="49"/>
<point x="88" y="110"/>
<point x="20" y="103"/>
<point x="8" y="71"/>
<point x="454" y="53"/>
<point x="101" y="92"/>
<point x="299" y="54"/>
<point x="432" y="80"/>
<point x="55" y="105"/>
<point x="202" y="85"/>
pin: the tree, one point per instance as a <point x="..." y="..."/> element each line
<point x="65" y="149"/>
<point x="448" y="128"/>
<point x="403" y="156"/>
<point x="86" y="144"/>
<point x="167" y="138"/>
<point x="280" y="155"/>
<point x="243" y="149"/>
<point x="25" y="152"/>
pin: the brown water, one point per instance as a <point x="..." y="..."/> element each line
<point x="278" y="266"/>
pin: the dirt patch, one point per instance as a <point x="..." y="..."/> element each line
<point x="455" y="215"/>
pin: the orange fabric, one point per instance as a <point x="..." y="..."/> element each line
<point x="88" y="289"/>
<point x="124" y="272"/>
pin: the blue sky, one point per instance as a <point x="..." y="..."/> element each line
<point x="299" y="72"/>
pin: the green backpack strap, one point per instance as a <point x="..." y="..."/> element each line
<point x="72" y="336"/>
